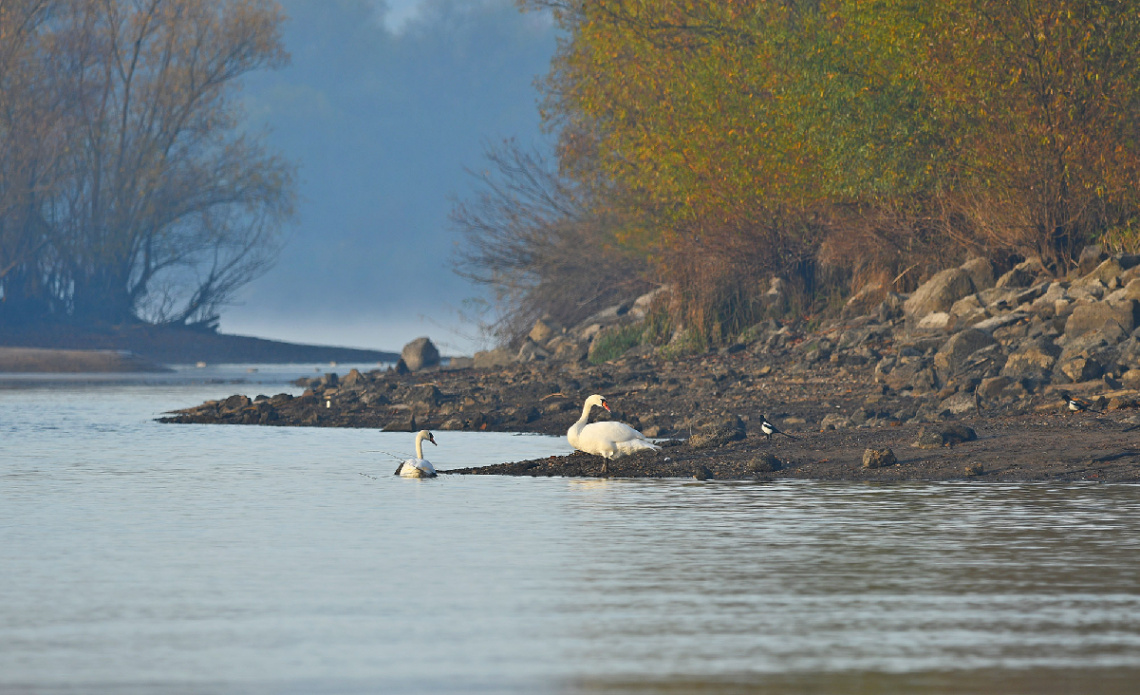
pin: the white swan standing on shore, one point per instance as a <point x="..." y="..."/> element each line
<point x="419" y="467"/>
<point x="610" y="439"/>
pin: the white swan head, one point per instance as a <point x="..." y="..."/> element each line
<point x="424" y="434"/>
<point x="596" y="400"/>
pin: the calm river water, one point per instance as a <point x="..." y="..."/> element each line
<point x="145" y="558"/>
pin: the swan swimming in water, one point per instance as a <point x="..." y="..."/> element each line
<point x="419" y="467"/>
<point x="609" y="439"/>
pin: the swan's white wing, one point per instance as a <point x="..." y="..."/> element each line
<point x="610" y="439"/>
<point x="416" y="468"/>
<point x="633" y="445"/>
<point x="610" y="431"/>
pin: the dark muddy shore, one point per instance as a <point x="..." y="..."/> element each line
<point x="718" y="399"/>
<point x="1051" y="447"/>
<point x="970" y="366"/>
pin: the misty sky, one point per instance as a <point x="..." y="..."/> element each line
<point x="382" y="107"/>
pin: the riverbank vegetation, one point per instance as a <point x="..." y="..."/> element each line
<point x="127" y="190"/>
<point x="712" y="146"/>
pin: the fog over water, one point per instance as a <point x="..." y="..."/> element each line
<point x="382" y="107"/>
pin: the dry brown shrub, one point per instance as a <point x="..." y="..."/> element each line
<point x="534" y="239"/>
<point x="722" y="275"/>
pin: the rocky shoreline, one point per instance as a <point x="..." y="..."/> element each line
<point x="966" y="349"/>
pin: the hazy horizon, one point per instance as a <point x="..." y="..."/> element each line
<point x="382" y="108"/>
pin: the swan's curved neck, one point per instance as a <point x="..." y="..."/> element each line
<point x="420" y="445"/>
<point x="585" y="416"/>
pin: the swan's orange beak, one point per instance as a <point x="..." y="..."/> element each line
<point x="606" y="406"/>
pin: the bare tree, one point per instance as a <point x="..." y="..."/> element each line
<point x="533" y="237"/>
<point x="30" y="139"/>
<point x="158" y="207"/>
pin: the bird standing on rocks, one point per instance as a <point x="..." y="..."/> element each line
<point x="606" y="439"/>
<point x="1075" y="404"/>
<point x="769" y="429"/>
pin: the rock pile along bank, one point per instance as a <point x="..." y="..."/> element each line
<point x="993" y="352"/>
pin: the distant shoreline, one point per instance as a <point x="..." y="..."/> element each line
<point x="43" y="360"/>
<point x="59" y="348"/>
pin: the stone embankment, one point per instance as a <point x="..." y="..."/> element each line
<point x="966" y="345"/>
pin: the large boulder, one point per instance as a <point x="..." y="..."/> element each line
<point x="959" y="403"/>
<point x="1129" y="291"/>
<point x="949" y="435"/>
<point x="939" y="293"/>
<point x="998" y="299"/>
<point x="565" y="348"/>
<point x="1128" y="354"/>
<point x="981" y="273"/>
<point x="1080" y="368"/>
<point x="353" y="379"/>
<point x="968" y="310"/>
<point x="935" y="321"/>
<point x="906" y="373"/>
<point x="1033" y="360"/>
<point x="530" y="351"/>
<point x="489" y="359"/>
<point x="992" y="387"/>
<point x="1107" y="273"/>
<point x="400" y="419"/>
<point x="1088" y="292"/>
<point x="865" y="301"/>
<point x="420" y="354"/>
<point x="1096" y="316"/>
<point x="1033" y="293"/>
<point x="645" y="302"/>
<point x="1047" y="302"/>
<point x="542" y="331"/>
<point x="890" y="308"/>
<point x="878" y="458"/>
<point x="1023" y="274"/>
<point x="1091" y="256"/>
<point x="1000" y="321"/>
<point x="1131" y="379"/>
<point x="427" y="396"/>
<point x="953" y="354"/>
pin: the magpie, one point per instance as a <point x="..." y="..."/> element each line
<point x="769" y="429"/>
<point x="1075" y="403"/>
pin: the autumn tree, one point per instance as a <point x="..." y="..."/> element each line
<point x="1042" y="98"/>
<point x="760" y="137"/>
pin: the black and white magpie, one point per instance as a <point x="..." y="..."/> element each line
<point x="769" y="429"/>
<point x="1075" y="403"/>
